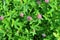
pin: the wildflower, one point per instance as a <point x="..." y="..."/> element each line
<point x="39" y="16"/>
<point x="1" y="17"/>
<point x="43" y="35"/>
<point x="21" y="14"/>
<point x="29" y="18"/>
<point x="46" y="1"/>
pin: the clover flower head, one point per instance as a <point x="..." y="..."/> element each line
<point x="46" y="1"/>
<point x="29" y="18"/>
<point x="21" y="14"/>
<point x="1" y="17"/>
<point x="39" y="16"/>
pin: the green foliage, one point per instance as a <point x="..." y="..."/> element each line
<point x="14" y="27"/>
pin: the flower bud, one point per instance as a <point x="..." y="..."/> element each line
<point x="21" y="14"/>
<point x="39" y="16"/>
<point x="29" y="18"/>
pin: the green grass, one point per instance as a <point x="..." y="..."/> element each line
<point x="15" y="27"/>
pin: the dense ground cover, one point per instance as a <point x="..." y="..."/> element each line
<point x="29" y="19"/>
